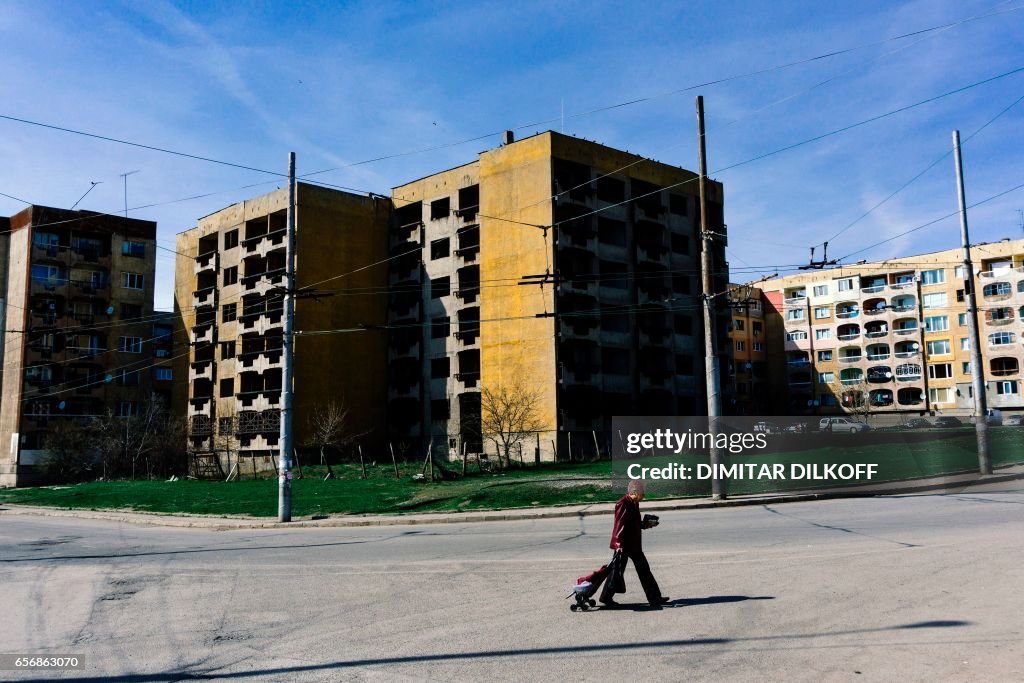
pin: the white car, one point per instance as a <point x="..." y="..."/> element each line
<point x="841" y="424"/>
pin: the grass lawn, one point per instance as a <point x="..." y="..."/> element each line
<point x="899" y="457"/>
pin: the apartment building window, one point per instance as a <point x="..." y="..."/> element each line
<point x="133" y="249"/>
<point x="227" y="350"/>
<point x="737" y="325"/>
<point x="756" y="327"/>
<point x="230" y="275"/>
<point x="961" y="319"/>
<point x="677" y="204"/>
<point x="965" y="343"/>
<point x="132" y="280"/>
<point x="965" y="367"/>
<point x="683" y="324"/>
<point x="680" y="243"/>
<point x="614" y="232"/>
<point x="227" y="387"/>
<point x="440" y="368"/>
<point x="933" y="277"/>
<point x="1007" y="388"/>
<point x="936" y="300"/>
<point x="997" y="289"/>
<point x="440" y="409"/>
<point x="795" y="314"/>
<point x="440" y="248"/>
<point x="440" y="327"/>
<point x="741" y="346"/>
<point x="47" y="240"/>
<point x="163" y="374"/>
<point x="958" y="273"/>
<point x="127" y="409"/>
<point x="938" y="347"/>
<point x="845" y="285"/>
<point x="440" y="287"/>
<point x="824" y="356"/>
<point x="758" y="346"/>
<point x="128" y="378"/>
<point x="822" y="312"/>
<point x="936" y="323"/>
<point x="820" y="290"/>
<point x="440" y="208"/>
<point x="1000" y="338"/>
<point x="231" y="239"/>
<point x="823" y="334"/>
<point x="228" y="313"/>
<point x="959" y="296"/>
<point x="47" y="273"/>
<point x="826" y="377"/>
<point x="684" y="364"/>
<point x="131" y="311"/>
<point x="796" y="335"/>
<point x="940" y="371"/>
<point x="129" y="344"/>
<point x="940" y="395"/>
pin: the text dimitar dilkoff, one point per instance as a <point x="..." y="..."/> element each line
<point x="755" y="471"/>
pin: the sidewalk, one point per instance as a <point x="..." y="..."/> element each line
<point x="952" y="483"/>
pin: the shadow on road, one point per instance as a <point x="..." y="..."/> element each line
<point x="288" y="671"/>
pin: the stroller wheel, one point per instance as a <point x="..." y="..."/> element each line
<point x="573" y="608"/>
<point x="593" y="603"/>
<point x="584" y="607"/>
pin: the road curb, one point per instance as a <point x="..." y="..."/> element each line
<point x="229" y="523"/>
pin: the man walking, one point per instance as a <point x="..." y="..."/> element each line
<point x="627" y="529"/>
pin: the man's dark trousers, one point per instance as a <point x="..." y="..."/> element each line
<point x="643" y="572"/>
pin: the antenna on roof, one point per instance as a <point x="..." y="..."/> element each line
<point x="818" y="265"/>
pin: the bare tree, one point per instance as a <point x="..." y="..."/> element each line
<point x="509" y="414"/>
<point x="330" y="428"/>
<point x="854" y="397"/>
<point x="149" y="439"/>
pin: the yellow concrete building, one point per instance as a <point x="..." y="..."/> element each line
<point x="892" y="336"/>
<point x="229" y="282"/>
<point x="553" y="264"/>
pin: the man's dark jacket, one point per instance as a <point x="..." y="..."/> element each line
<point x="626" y="533"/>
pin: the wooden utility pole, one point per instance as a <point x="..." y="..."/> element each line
<point x="712" y="377"/>
<point x="977" y="366"/>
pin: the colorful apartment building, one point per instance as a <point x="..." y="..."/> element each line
<point x="892" y="336"/>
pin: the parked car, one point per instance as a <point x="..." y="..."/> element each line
<point x="765" y="427"/>
<point x="947" y="422"/>
<point x="917" y="423"/>
<point x="841" y="424"/>
<point x="795" y="428"/>
<point x="1014" y="421"/>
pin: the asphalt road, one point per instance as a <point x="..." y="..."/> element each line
<point x="915" y="588"/>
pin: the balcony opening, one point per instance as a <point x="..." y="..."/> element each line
<point x="409" y="217"/>
<point x="440" y="208"/>
<point x="611" y="190"/>
<point x="572" y="180"/>
<point x="910" y="396"/>
<point x="1001" y="367"/>
<point x="469" y="202"/>
<point x="469" y="367"/>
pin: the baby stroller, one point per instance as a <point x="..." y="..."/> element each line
<point x="587" y="586"/>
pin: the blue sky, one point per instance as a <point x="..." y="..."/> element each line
<point x="339" y="83"/>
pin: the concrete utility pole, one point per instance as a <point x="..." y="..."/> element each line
<point x="977" y="366"/>
<point x="712" y="378"/>
<point x="284" y="489"/>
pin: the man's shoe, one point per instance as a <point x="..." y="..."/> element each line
<point x="663" y="600"/>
